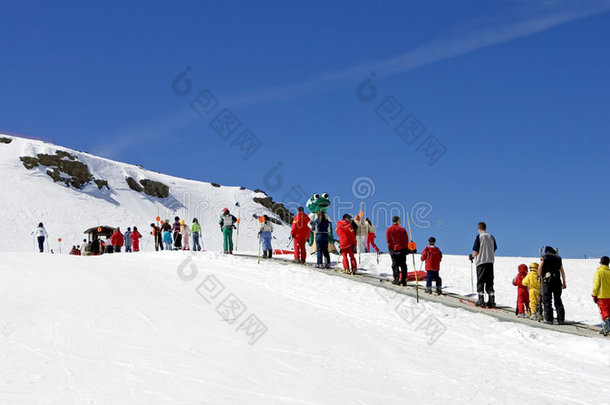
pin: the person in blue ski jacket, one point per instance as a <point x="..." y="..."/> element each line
<point x="265" y="235"/>
<point x="321" y="226"/>
<point x="167" y="239"/>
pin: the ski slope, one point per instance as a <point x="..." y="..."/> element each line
<point x="142" y="328"/>
<point x="31" y="196"/>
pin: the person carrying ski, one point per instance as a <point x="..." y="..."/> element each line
<point x="398" y="246"/>
<point x="157" y="236"/>
<point x="196" y="232"/>
<point x="553" y="279"/>
<point x="347" y="244"/>
<point x="176" y="235"/>
<point x="601" y="292"/>
<point x="300" y="232"/>
<point x="127" y="240"/>
<point x="265" y="236"/>
<point x="227" y="224"/>
<point x="362" y="230"/>
<point x="40" y="233"/>
<point x="370" y="237"/>
<point x="532" y="282"/>
<point x="117" y="240"/>
<point x="184" y="231"/>
<point x="135" y="239"/>
<point x="483" y="254"/>
<point x="432" y="256"/>
<point x="321" y="227"/>
<point x="167" y="239"/>
<point x="522" y="293"/>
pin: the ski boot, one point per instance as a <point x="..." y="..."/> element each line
<point x="270" y="255"/>
<point x="491" y="303"/>
<point x="481" y="301"/>
<point x="264" y="254"/>
<point x="428" y="290"/>
<point x="606" y="329"/>
<point x="395" y="282"/>
<point x="439" y="291"/>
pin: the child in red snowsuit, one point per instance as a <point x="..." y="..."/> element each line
<point x="347" y="243"/>
<point x="523" y="299"/>
<point x="300" y="232"/>
<point x="432" y="256"/>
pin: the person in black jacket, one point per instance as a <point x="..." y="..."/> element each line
<point x="553" y="282"/>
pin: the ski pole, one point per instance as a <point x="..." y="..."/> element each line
<point x="238" y="223"/>
<point x="413" y="255"/>
<point x="259" y="249"/>
<point x="471" y="278"/>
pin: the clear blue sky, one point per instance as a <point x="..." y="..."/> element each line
<point x="517" y="93"/>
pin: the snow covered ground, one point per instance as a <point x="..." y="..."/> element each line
<point x="157" y="328"/>
<point x="30" y="196"/>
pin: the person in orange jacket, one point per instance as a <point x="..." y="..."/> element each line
<point x="135" y="239"/>
<point x="347" y="244"/>
<point x="300" y="232"/>
<point x="523" y="300"/>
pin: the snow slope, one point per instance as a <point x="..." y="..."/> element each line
<point x="31" y="196"/>
<point x="137" y="329"/>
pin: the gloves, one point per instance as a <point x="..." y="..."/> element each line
<point x="595" y="299"/>
<point x="355" y="249"/>
<point x="470" y="257"/>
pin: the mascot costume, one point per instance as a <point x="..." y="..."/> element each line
<point x="320" y="203"/>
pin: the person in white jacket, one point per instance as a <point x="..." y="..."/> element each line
<point x="40" y="234"/>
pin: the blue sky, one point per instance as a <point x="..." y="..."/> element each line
<point x="516" y="93"/>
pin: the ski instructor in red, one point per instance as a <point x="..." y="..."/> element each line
<point x="347" y="244"/>
<point x="300" y="232"/>
<point x="398" y="246"/>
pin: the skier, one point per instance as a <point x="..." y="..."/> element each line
<point x="227" y="224"/>
<point x="483" y="253"/>
<point x="184" y="231"/>
<point x="347" y="244"/>
<point x="157" y="236"/>
<point x="40" y="233"/>
<point x="117" y="240"/>
<point x="83" y="247"/>
<point x="553" y="279"/>
<point x="196" y="231"/>
<point x="370" y="237"/>
<point x="321" y="227"/>
<point x="601" y="292"/>
<point x="177" y="237"/>
<point x="362" y="230"/>
<point x="265" y="236"/>
<point x="167" y="239"/>
<point x="398" y="246"/>
<point x="127" y="240"/>
<point x="432" y="256"/>
<point x="135" y="239"/>
<point x="300" y="232"/>
<point x="532" y="282"/>
<point x="522" y="293"/>
<point x="108" y="245"/>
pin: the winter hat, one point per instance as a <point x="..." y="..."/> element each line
<point x="605" y="260"/>
<point x="176" y="218"/>
<point x="225" y="210"/>
<point x="523" y="269"/>
<point x="549" y="249"/>
<point x="432" y="240"/>
<point x="534" y="266"/>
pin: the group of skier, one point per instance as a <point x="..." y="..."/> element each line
<point x="539" y="285"/>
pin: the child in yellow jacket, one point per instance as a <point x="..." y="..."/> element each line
<point x="532" y="282"/>
<point x="601" y="292"/>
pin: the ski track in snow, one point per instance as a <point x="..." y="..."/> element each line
<point x="126" y="329"/>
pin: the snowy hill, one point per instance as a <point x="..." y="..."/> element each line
<point x="155" y="328"/>
<point x="35" y="189"/>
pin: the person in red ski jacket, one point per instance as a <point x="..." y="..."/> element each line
<point x="347" y="244"/>
<point x="135" y="239"/>
<point x="117" y="240"/>
<point x="300" y="232"/>
<point x="432" y="256"/>
<point x="398" y="246"/>
<point x="523" y="298"/>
